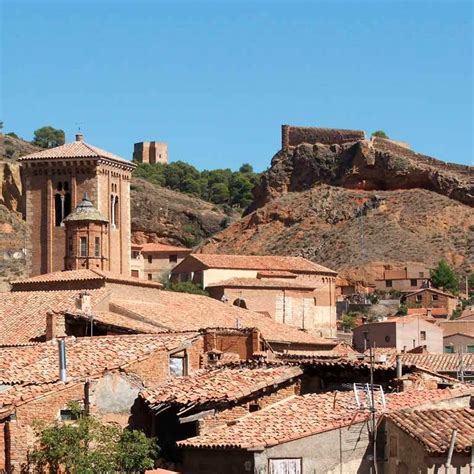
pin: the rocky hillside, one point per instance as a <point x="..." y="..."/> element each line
<point x="162" y="215"/>
<point x="348" y="205"/>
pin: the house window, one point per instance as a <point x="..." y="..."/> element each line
<point x="177" y="364"/>
<point x="97" y="246"/>
<point x="414" y="282"/>
<point x="450" y="349"/>
<point x="173" y="258"/>
<point x="470" y="349"/>
<point x="419" y="298"/>
<point x="284" y="466"/>
<point x="68" y="415"/>
<point x="421" y="275"/>
<point x="388" y="283"/>
<point x="423" y="335"/>
<point x="387" y="338"/>
<point x="150" y="259"/>
<point x="135" y="274"/>
<point x="435" y="297"/>
<point x="83" y="247"/>
<point x="150" y="276"/>
<point x="135" y="254"/>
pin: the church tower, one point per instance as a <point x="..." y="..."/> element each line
<point x="55" y="181"/>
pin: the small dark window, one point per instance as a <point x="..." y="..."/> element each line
<point x="150" y="259"/>
<point x="435" y="297"/>
<point x="387" y="338"/>
<point x="423" y="335"/>
<point x="419" y="298"/>
<point x="253" y="407"/>
<point x="173" y="258"/>
<point x="388" y="283"/>
<point x="97" y="246"/>
<point x="84" y="252"/>
<point x="450" y="349"/>
<point x="470" y="349"/>
<point x="68" y="415"/>
<point x="413" y="282"/>
<point x="150" y="276"/>
<point x="116" y="212"/>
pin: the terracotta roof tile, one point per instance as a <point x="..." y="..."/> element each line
<point x="23" y="313"/>
<point x="261" y="262"/>
<point x="437" y="362"/>
<point x="431" y="290"/>
<point x="181" y="311"/>
<point x="218" y="385"/>
<point x="77" y="149"/>
<point x="306" y="415"/>
<point x="162" y="248"/>
<point x="435" y="312"/>
<point x="276" y="274"/>
<point x="433" y="428"/>
<point x="262" y="283"/>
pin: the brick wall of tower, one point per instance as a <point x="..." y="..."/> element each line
<point x="150" y="152"/>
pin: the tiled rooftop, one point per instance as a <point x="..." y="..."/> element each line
<point x="218" y="385"/>
<point x="437" y="362"/>
<point x="262" y="283"/>
<point x="161" y="248"/>
<point x="306" y="415"/>
<point x="181" y="312"/>
<point x="431" y="290"/>
<point x="23" y="313"/>
<point x="433" y="428"/>
<point x="86" y="356"/>
<point x="261" y="262"/>
<point x="77" y="149"/>
<point x="435" y="312"/>
<point x="83" y="275"/>
<point x="276" y="274"/>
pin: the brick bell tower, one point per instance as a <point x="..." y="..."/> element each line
<point x="86" y="237"/>
<point x="55" y="181"/>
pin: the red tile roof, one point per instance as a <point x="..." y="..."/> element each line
<point x="276" y="274"/>
<point x="23" y="313"/>
<point x="83" y="275"/>
<point x="153" y="247"/>
<point x="218" y="385"/>
<point x="433" y="428"/>
<point x="262" y="283"/>
<point x="435" y="312"/>
<point x="300" y="416"/>
<point x="182" y="311"/>
<point x="431" y="290"/>
<point x="437" y="362"/>
<point x="77" y="149"/>
<point x="86" y="356"/>
<point x="261" y="262"/>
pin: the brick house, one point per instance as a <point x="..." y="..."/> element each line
<point x="432" y="298"/>
<point x="104" y="374"/>
<point x="407" y="279"/>
<point x="402" y="333"/>
<point x="458" y="335"/>
<point x="55" y="181"/>
<point x="320" y="432"/>
<point x="418" y="441"/>
<point x="154" y="261"/>
<point x="292" y="290"/>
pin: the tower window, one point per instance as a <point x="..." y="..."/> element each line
<point x="97" y="246"/>
<point x="83" y="247"/>
<point x="116" y="211"/>
<point x="62" y="202"/>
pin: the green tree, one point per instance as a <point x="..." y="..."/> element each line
<point x="185" y="287"/>
<point x="443" y="276"/>
<point x="349" y="321"/>
<point x="219" y="193"/>
<point x="380" y="134"/>
<point x="87" y="446"/>
<point x="48" y="137"/>
<point x="470" y="284"/>
<point x="246" y="168"/>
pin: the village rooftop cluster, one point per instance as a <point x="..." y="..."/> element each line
<point x="257" y="377"/>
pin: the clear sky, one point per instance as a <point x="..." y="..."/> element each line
<point x="215" y="80"/>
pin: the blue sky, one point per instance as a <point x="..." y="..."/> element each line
<point x="217" y="79"/>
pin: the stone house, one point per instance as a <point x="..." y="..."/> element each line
<point x="103" y="374"/>
<point x="317" y="432"/>
<point x="413" y="276"/>
<point x="402" y="333"/>
<point x="419" y="441"/>
<point x="458" y="335"/>
<point x="432" y="298"/>
<point x="154" y="261"/>
<point x="291" y="290"/>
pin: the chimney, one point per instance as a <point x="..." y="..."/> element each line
<point x="55" y="325"/>
<point x="79" y="137"/>
<point x="85" y="302"/>
<point x="399" y="366"/>
<point x="428" y="312"/>
<point x="62" y="360"/>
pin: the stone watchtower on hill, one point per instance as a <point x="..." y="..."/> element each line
<point x="54" y="182"/>
<point x="86" y="237"/>
<point x="150" y="152"/>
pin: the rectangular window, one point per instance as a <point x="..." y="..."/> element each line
<point x="150" y="259"/>
<point x="97" y="246"/>
<point x="388" y="283"/>
<point x="178" y="364"/>
<point x="135" y="274"/>
<point x="413" y="282"/>
<point x="419" y="298"/>
<point x="470" y="349"/>
<point x="284" y="466"/>
<point x="423" y="335"/>
<point x="435" y="297"/>
<point x="173" y="258"/>
<point x="83" y="247"/>
<point x="150" y="276"/>
<point x="68" y="415"/>
<point x="449" y="349"/>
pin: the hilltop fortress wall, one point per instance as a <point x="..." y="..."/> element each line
<point x="292" y="136"/>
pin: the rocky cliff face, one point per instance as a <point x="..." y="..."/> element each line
<point x="351" y="204"/>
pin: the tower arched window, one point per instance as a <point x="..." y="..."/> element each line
<point x="62" y="202"/>
<point x="116" y="211"/>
